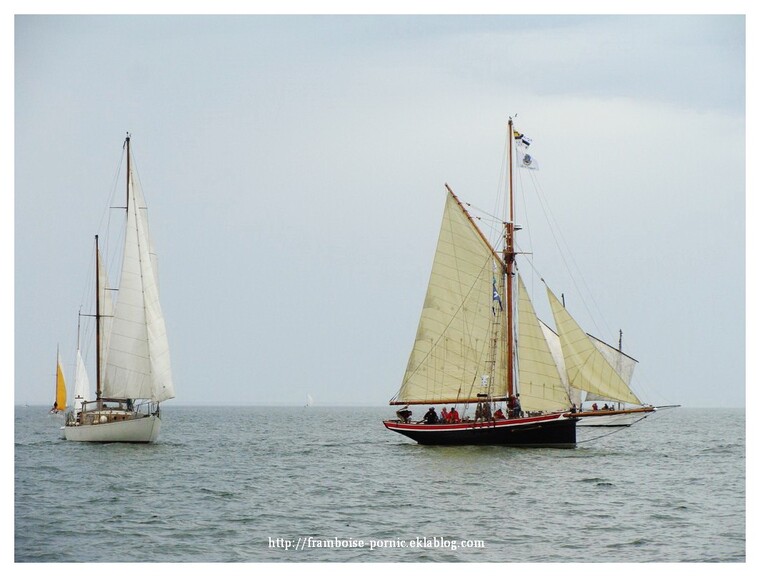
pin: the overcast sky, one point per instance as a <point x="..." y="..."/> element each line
<point x="294" y="170"/>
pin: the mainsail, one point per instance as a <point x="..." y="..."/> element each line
<point x="137" y="359"/>
<point x="453" y="355"/>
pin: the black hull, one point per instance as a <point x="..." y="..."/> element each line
<point x="545" y="431"/>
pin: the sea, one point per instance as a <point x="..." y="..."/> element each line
<point x="331" y="484"/>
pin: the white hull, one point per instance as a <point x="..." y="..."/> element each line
<point x="140" y="430"/>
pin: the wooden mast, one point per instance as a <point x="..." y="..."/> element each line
<point x="509" y="258"/>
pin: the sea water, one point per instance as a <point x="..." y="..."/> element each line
<point x="321" y="484"/>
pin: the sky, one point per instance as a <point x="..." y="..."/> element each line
<point x="294" y="170"/>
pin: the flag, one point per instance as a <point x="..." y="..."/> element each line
<point x="521" y="139"/>
<point x="496" y="297"/>
<point x="527" y="161"/>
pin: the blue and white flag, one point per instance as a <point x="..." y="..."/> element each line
<point x="496" y="297"/>
<point x="527" y="161"/>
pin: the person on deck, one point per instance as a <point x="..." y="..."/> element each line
<point x="431" y="417"/>
<point x="404" y="414"/>
<point x="444" y="415"/>
<point x="595" y="407"/>
<point x="454" y="416"/>
<point x="511" y="401"/>
<point x="499" y="415"/>
<point x="518" y="407"/>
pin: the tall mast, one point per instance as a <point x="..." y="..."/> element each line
<point x="98" y="386"/>
<point x="129" y="168"/>
<point x="509" y="258"/>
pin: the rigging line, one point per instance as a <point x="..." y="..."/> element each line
<point x="616" y="430"/>
<point x="554" y="225"/>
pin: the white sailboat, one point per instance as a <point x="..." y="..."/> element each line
<point x="133" y="365"/>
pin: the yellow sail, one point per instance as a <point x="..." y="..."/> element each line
<point x="587" y="368"/>
<point x="60" y="386"/>
<point x="453" y="355"/>
<point x="541" y="387"/>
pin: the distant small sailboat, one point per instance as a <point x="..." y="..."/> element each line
<point x="133" y="366"/>
<point x="309" y="400"/>
<point x="59" y="405"/>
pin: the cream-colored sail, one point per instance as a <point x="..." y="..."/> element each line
<point x="541" y="387"/>
<point x="552" y="339"/>
<point x="453" y="349"/>
<point x="137" y="361"/>
<point x="622" y="363"/>
<point x="587" y="368"/>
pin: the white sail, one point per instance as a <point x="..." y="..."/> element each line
<point x="81" y="383"/>
<point x="137" y="361"/>
<point x="455" y="336"/>
<point x="622" y="363"/>
<point x="541" y="386"/>
<point x="587" y="368"/>
<point x="106" y="310"/>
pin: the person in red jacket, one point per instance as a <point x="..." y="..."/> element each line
<point x="453" y="416"/>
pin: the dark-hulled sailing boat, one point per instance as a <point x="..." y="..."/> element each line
<point x="471" y="349"/>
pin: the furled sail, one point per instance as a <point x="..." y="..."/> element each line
<point x="541" y="387"/>
<point x="137" y="361"/>
<point x="453" y="355"/>
<point x="587" y="368"/>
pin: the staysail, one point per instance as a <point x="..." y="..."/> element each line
<point x="453" y="355"/>
<point x="81" y="383"/>
<point x="137" y="359"/>
<point x="541" y="384"/>
<point x="588" y="369"/>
